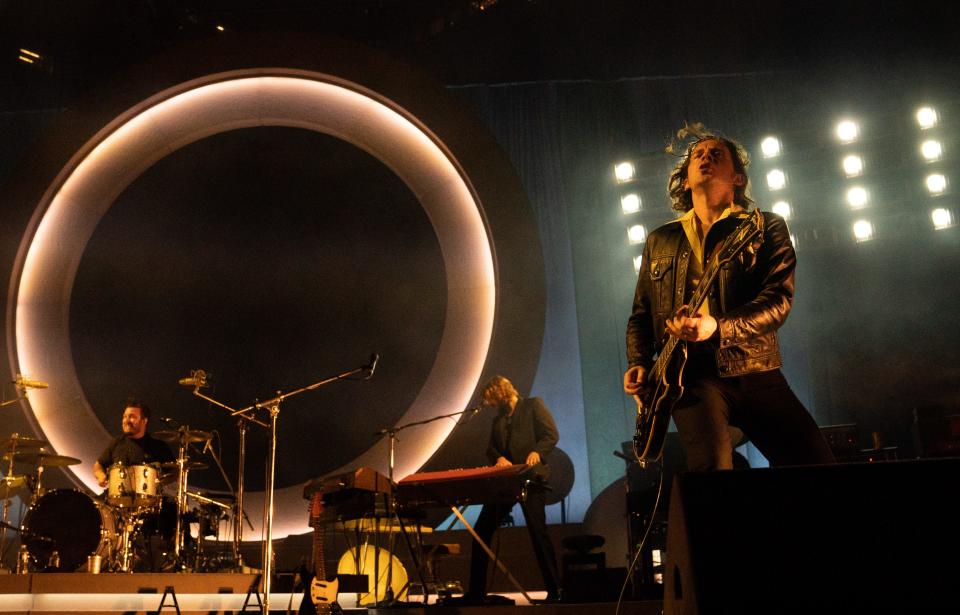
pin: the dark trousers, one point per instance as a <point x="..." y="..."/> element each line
<point x="761" y="404"/>
<point x="491" y="516"/>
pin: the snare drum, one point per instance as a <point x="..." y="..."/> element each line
<point x="73" y="525"/>
<point x="135" y="487"/>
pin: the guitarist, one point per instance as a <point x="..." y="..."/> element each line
<point x="732" y="372"/>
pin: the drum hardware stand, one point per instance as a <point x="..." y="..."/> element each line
<point x="22" y="385"/>
<point x="7" y="502"/>
<point x="392" y="510"/>
<point x="200" y="537"/>
<point x="130" y="520"/>
<point x="273" y="408"/>
<point x="183" y="468"/>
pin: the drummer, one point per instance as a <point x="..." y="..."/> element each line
<point x="135" y="446"/>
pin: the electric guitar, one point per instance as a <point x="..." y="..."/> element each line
<point x="319" y="595"/>
<point x="665" y="378"/>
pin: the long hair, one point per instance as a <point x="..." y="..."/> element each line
<point x="500" y="389"/>
<point x="680" y="197"/>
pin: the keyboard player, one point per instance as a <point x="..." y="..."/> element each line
<point x="523" y="432"/>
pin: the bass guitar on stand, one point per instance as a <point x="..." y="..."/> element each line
<point x="665" y="378"/>
<point x="319" y="594"/>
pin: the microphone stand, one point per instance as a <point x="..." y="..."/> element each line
<point x="238" y="514"/>
<point x="391" y="433"/>
<point x="273" y="408"/>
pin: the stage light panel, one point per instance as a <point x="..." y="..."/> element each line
<point x="637" y="234"/>
<point x="624" y="172"/>
<point x="852" y="165"/>
<point x="776" y="179"/>
<point x="637" y="261"/>
<point x="630" y="203"/>
<point x="770" y="147"/>
<point x="782" y="209"/>
<point x="862" y="230"/>
<point x="927" y="117"/>
<point x="936" y="183"/>
<point x="857" y="197"/>
<point x="848" y="131"/>
<point x="931" y="150"/>
<point x="942" y="218"/>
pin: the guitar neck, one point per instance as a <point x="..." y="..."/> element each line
<point x="696" y="301"/>
<point x="318" y="563"/>
<point x="703" y="288"/>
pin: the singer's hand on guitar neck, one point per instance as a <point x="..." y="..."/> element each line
<point x="696" y="328"/>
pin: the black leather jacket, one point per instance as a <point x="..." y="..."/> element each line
<point x="750" y="298"/>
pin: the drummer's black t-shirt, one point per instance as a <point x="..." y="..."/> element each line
<point x="131" y="452"/>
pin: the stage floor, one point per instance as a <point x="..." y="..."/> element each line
<point x="208" y="593"/>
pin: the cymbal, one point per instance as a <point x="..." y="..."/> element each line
<point x="171" y="466"/>
<point x="41" y="459"/>
<point x="16" y="441"/>
<point x="174" y="435"/>
<point x="168" y="470"/>
<point x="11" y="486"/>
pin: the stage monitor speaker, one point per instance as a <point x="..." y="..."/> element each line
<point x="850" y="538"/>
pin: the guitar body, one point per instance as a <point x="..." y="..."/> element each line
<point x="665" y="378"/>
<point x="323" y="594"/>
<point x="306" y="602"/>
<point x="653" y="413"/>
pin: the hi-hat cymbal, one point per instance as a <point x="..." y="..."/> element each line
<point x="188" y="435"/>
<point x="16" y="441"/>
<point x="11" y="486"/>
<point x="38" y="458"/>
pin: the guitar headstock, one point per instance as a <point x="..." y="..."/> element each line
<point x="747" y="236"/>
<point x="316" y="508"/>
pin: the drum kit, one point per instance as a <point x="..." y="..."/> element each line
<point x="141" y="522"/>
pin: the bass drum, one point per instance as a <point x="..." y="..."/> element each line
<point x="71" y="525"/>
<point x="365" y="561"/>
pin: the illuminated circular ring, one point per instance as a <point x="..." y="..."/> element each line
<point x="86" y="188"/>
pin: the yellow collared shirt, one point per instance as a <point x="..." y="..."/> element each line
<point x="697" y="258"/>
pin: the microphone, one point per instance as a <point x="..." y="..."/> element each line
<point x="198" y="378"/>
<point x="373" y="365"/>
<point x="23" y="382"/>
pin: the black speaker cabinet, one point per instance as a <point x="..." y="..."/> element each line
<point x="850" y="538"/>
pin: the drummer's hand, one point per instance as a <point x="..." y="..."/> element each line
<point x="503" y="462"/>
<point x="533" y="458"/>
